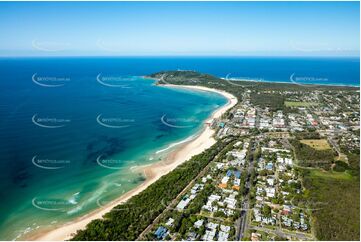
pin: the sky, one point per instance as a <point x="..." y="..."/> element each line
<point x="179" y="28"/>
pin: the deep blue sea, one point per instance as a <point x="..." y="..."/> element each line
<point x="73" y="129"/>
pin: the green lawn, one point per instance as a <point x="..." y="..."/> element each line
<point x="331" y="174"/>
<point x="299" y="104"/>
<point x="318" y="144"/>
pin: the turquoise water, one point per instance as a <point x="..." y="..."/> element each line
<point x="72" y="128"/>
<point x="66" y="150"/>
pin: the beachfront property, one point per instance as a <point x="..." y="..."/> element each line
<point x="187" y="198"/>
<point x="256" y="176"/>
<point x="265" y="146"/>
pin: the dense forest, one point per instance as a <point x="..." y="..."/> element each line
<point x="270" y="100"/>
<point x="309" y="157"/>
<point x="334" y="198"/>
<point x="332" y="195"/>
<point x="128" y="220"/>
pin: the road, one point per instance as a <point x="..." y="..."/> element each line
<point x="337" y="148"/>
<point x="284" y="234"/>
<point x="242" y="222"/>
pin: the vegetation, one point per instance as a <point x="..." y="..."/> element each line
<point x="318" y="144"/>
<point x="354" y="163"/>
<point x="299" y="104"/>
<point x="307" y="135"/>
<point x="273" y="101"/>
<point x="128" y="220"/>
<point x="353" y="156"/>
<point x="261" y="91"/>
<point x="334" y="201"/>
<point x="332" y="195"/>
<point x="310" y="157"/>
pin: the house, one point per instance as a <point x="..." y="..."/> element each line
<point x="209" y="235"/>
<point x="183" y="203"/>
<point x="257" y="214"/>
<point x="270" y="192"/>
<point x="225" y="228"/>
<point x="237" y="174"/>
<point x="287" y="208"/>
<point x="161" y="232"/>
<point x="219" y="165"/>
<point x="210" y="232"/>
<point x="269" y="166"/>
<point x="288" y="161"/>
<point x="211" y="225"/>
<point x="270" y="181"/>
<point x="255" y="236"/>
<point x="208" y="206"/>
<point x="192" y="236"/>
<point x="197" y="187"/>
<point x="231" y="202"/>
<point x="223" y="236"/>
<point x="229" y="173"/>
<point x="225" y="180"/>
<point x="169" y="222"/>
<point x="198" y="223"/>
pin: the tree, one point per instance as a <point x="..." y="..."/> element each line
<point x="266" y="210"/>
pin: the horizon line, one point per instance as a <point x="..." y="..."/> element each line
<point x="135" y="56"/>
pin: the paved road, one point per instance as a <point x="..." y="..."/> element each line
<point x="243" y="220"/>
<point x="237" y="225"/>
<point x="285" y="234"/>
<point x="242" y="224"/>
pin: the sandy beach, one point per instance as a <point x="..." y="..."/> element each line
<point x="152" y="172"/>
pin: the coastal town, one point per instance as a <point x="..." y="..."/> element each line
<point x="282" y="164"/>
<point x="180" y="120"/>
<point x="253" y="189"/>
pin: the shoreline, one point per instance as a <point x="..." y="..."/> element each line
<point x="291" y="83"/>
<point x="152" y="172"/>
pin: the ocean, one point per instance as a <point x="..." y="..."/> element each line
<point x="73" y="129"/>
